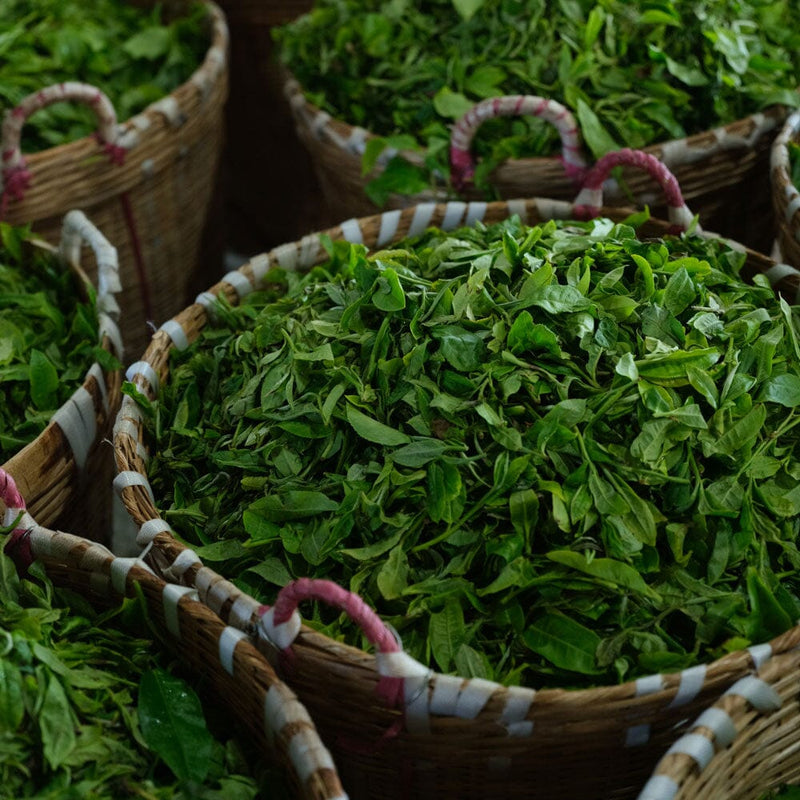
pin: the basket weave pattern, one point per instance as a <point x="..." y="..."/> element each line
<point x="444" y="735"/>
<point x="269" y="709"/>
<point x="60" y="470"/>
<point x="785" y="195"/>
<point x="720" y="171"/>
<point x="152" y="199"/>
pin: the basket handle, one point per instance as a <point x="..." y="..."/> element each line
<point x="14" y="175"/>
<point x="590" y="198"/>
<point x="462" y="164"/>
<point x="281" y="624"/>
<point x="78" y="230"/>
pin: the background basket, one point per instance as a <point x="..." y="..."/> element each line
<point x="268" y="708"/>
<point x="743" y="746"/>
<point x="721" y="171"/>
<point x="262" y="150"/>
<point x="397" y="729"/>
<point x="785" y="195"/>
<point x="148" y="184"/>
<point x="61" y="470"/>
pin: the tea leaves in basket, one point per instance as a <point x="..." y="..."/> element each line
<point x="134" y="55"/>
<point x="634" y="73"/>
<point x="557" y="454"/>
<point x="48" y="338"/>
<point x="69" y="723"/>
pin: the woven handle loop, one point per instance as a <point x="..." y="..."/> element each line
<point x="328" y="592"/>
<point x="15" y="176"/>
<point x="18" y="544"/>
<point x="76" y="231"/>
<point x="9" y="493"/>
<point x="462" y="164"/>
<point x="590" y="198"/>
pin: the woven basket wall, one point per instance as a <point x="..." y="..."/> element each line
<point x="66" y="471"/>
<point x="155" y="205"/>
<point x="598" y="743"/>
<point x="785" y="195"/>
<point x="722" y="172"/>
<point x="746" y="745"/>
<point x="267" y="708"/>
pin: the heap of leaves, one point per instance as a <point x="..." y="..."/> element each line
<point x="634" y="73"/>
<point x="557" y="455"/>
<point x="48" y="338"/>
<point x="133" y="54"/>
<point x="87" y="711"/>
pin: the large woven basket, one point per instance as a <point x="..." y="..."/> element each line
<point x="721" y="171"/>
<point x="785" y="195"/>
<point x="262" y="150"/>
<point x="744" y="746"/>
<point x="146" y="182"/>
<point x="266" y="706"/>
<point x="64" y="470"/>
<point x="397" y="729"/>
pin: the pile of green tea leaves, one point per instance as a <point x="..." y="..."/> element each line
<point x="48" y="338"/>
<point x="634" y="73"/>
<point x="134" y="54"/>
<point x="557" y="455"/>
<point x="88" y="711"/>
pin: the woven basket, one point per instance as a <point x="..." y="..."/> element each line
<point x="262" y="149"/>
<point x="785" y="195"/>
<point x="743" y="746"/>
<point x="268" y="708"/>
<point x="397" y="729"/>
<point x="147" y="183"/>
<point x="60" y="470"/>
<point x="721" y="171"/>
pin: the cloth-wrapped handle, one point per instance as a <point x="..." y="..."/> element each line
<point x="15" y="176"/>
<point x="590" y="198"/>
<point x="76" y="231"/>
<point x="462" y="164"/>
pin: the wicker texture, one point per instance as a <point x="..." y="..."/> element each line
<point x="743" y="746"/>
<point x="60" y="470"/>
<point x="720" y="171"/>
<point x="439" y="735"/>
<point x="785" y="195"/>
<point x="268" y="708"/>
<point x="147" y="184"/>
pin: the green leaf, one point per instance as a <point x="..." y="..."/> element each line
<point x="150" y="43"/>
<point x="446" y="632"/>
<point x="374" y="431"/>
<point x="56" y="724"/>
<point x="418" y="453"/>
<point x="173" y="725"/>
<point x="393" y="575"/>
<point x="782" y="389"/>
<point x="463" y="349"/>
<point x="44" y="380"/>
<point x="450" y="104"/>
<point x="564" y="642"/>
<point x="12" y="706"/>
<point x="594" y="133"/>
<point x="606" y="569"/>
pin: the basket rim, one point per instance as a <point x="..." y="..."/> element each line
<point x="351" y="138"/>
<point x="98" y="386"/>
<point x="674" y="689"/>
<point x="203" y="76"/>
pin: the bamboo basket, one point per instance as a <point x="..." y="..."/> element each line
<point x="721" y="171"/>
<point x="61" y="469"/>
<point x="267" y="707"/>
<point x="148" y="183"/>
<point x="397" y="729"/>
<point x="745" y="745"/>
<point x="261" y="147"/>
<point x="785" y="195"/>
